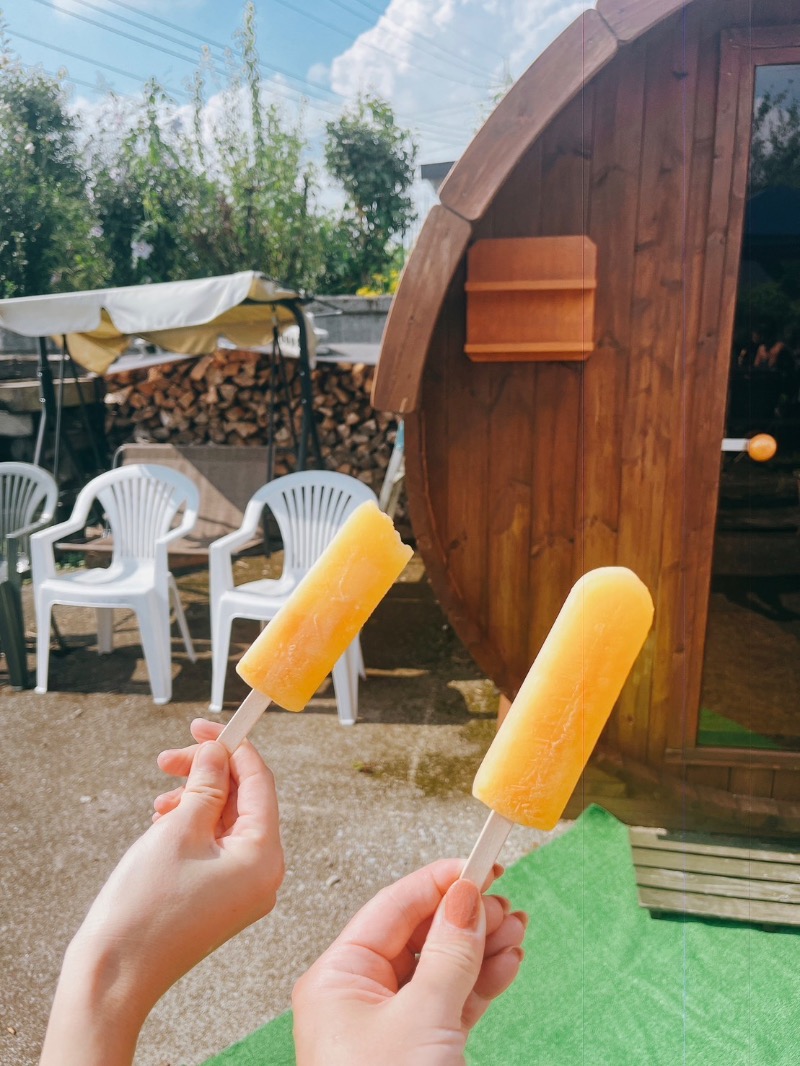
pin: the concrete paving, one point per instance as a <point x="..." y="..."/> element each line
<point x="360" y="806"/>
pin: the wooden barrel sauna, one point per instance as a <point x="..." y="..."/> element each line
<point x="565" y="350"/>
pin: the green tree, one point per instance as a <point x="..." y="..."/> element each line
<point x="48" y="227"/>
<point x="151" y="198"/>
<point x="775" y="149"/>
<point x="373" y="160"/>
<point x="269" y="220"/>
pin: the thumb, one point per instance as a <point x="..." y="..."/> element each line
<point x="208" y="784"/>
<point x="452" y="955"/>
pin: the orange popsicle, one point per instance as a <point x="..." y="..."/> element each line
<point x="290" y="659"/>
<point x="539" y="752"/>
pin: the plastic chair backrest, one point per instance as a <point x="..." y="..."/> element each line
<point x="140" y="502"/>
<point x="309" y="507"/>
<point x="27" y="493"/>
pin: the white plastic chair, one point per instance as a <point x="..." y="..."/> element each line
<point x="141" y="503"/>
<point x="309" y="507"/>
<point x="28" y="498"/>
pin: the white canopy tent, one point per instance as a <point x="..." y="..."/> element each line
<point x="95" y="327"/>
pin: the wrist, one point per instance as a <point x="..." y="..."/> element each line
<point x="96" y="1018"/>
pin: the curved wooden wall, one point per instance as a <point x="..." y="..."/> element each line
<point x="523" y="476"/>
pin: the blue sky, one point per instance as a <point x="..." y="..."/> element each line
<point x="440" y="63"/>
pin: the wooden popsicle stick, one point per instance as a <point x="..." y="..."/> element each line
<point x="487" y="847"/>
<point x="250" y="710"/>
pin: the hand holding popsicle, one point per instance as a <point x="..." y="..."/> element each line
<point x="159" y="913"/>
<point x="539" y="753"/>
<point x="410" y="975"/>
<point x="297" y="650"/>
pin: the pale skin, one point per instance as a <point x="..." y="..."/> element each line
<point x="408" y="969"/>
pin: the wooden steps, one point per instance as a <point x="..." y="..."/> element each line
<point x="716" y="877"/>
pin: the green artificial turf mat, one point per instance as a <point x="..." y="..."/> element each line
<point x="717" y="731"/>
<point x="605" y="984"/>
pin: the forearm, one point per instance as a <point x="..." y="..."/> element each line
<point x="93" y="1021"/>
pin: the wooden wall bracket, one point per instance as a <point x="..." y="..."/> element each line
<point x="531" y="299"/>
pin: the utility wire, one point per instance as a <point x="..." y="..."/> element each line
<point x="451" y="57"/>
<point x="374" y="47"/>
<point x="484" y="46"/>
<point x="207" y="43"/>
<point x="85" y="59"/>
<point x="329" y="109"/>
<point x="324" y="106"/>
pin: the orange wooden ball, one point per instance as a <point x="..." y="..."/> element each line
<point x="762" y="447"/>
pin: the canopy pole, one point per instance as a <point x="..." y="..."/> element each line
<point x="91" y="431"/>
<point x="47" y="398"/>
<point x="309" y="426"/>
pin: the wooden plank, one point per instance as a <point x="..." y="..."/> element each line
<point x="555" y="78"/>
<point x="786" y="785"/>
<point x="711" y="907"/>
<point x="613" y="204"/>
<point x="557" y="432"/>
<point x="415" y="309"/>
<point x="709" y="776"/>
<point x="429" y="441"/>
<point x="631" y="18"/>
<point x="705" y="863"/>
<point x="732" y="757"/>
<point x="509" y="522"/>
<point x="678" y="723"/>
<point x="751" y="781"/>
<point x="676" y="880"/>
<point x="715" y="329"/>
<point x="653" y="377"/>
<point x="653" y="839"/>
<point x="682" y="285"/>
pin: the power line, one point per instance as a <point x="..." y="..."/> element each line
<point x="462" y="64"/>
<point x="451" y="29"/>
<point x="85" y="59"/>
<point x="374" y="47"/>
<point x="207" y="42"/>
<point x="321" y="105"/>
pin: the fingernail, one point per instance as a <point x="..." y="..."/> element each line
<point x="504" y="903"/>
<point x="210" y="756"/>
<point x="462" y="905"/>
<point x="522" y="917"/>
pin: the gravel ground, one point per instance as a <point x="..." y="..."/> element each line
<point x="360" y="806"/>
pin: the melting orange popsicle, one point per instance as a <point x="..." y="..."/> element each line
<point x="539" y="752"/>
<point x="290" y="659"/>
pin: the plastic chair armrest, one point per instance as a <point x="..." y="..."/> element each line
<point x="13" y="544"/>
<point x="189" y="519"/>
<point x="32" y="527"/>
<point x="42" y="558"/>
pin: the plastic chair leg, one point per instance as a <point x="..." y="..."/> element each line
<point x="12" y="635"/>
<point x="105" y="630"/>
<point x="154" y="631"/>
<point x="345" y="686"/>
<point x="181" y="620"/>
<point x="44" y="610"/>
<point x="360" y="668"/>
<point x="220" y="644"/>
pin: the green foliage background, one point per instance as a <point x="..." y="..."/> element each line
<point x="148" y="196"/>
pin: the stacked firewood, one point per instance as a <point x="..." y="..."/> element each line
<point x="244" y="399"/>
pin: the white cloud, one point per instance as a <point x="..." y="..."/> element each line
<point x="443" y="63"/>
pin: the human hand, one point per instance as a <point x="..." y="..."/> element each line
<point x="209" y="866"/>
<point x="410" y="975"/>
